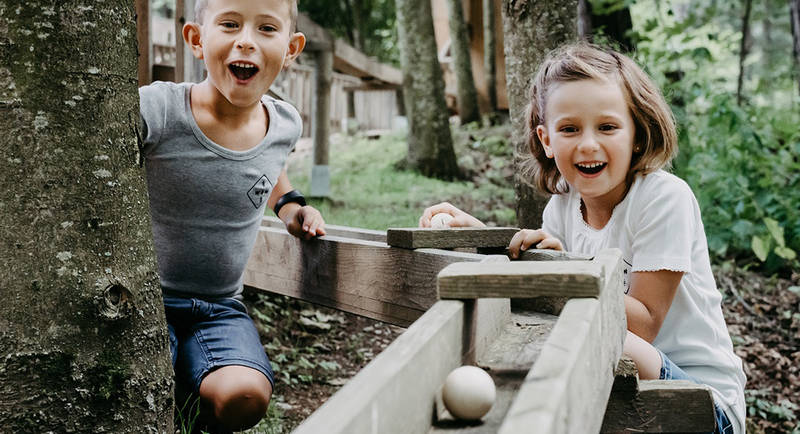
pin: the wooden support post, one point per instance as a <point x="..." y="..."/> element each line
<point x="395" y="392"/>
<point x="363" y="277"/>
<point x="567" y="387"/>
<point x="320" y="171"/>
<point x="145" y="65"/>
<point x="187" y="67"/>
<point x="521" y="279"/>
<point x="417" y="238"/>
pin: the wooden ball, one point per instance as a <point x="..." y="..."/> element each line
<point x="468" y="393"/>
<point x="441" y="221"/>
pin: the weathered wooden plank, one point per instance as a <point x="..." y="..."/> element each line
<point x="520" y="343"/>
<point x="363" y="277"/>
<point x="661" y="406"/>
<point x="486" y="320"/>
<point x="335" y="230"/>
<point x="566" y="390"/>
<point x="521" y="279"/>
<point x="395" y="393"/>
<point x="416" y="238"/>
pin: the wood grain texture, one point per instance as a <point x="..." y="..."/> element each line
<point x="520" y="279"/>
<point x="395" y="393"/>
<point x="661" y="406"/>
<point x="565" y="390"/>
<point x="418" y="238"/>
<point x="363" y="277"/>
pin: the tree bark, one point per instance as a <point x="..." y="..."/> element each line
<point x="462" y="65"/>
<point x="531" y="28"/>
<point x="489" y="58"/>
<point x="794" y="9"/>
<point x="83" y="340"/>
<point x="430" y="144"/>
<point x="743" y="49"/>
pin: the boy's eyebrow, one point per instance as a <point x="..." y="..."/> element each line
<point x="232" y="12"/>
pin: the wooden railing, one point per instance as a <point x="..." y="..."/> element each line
<point x="554" y="371"/>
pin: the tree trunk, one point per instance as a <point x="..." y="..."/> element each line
<point x="489" y="58"/>
<point x="83" y="340"/>
<point x="531" y="28"/>
<point x="743" y="48"/>
<point x="320" y="170"/>
<point x="430" y="145"/>
<point x="794" y="9"/>
<point x="462" y="65"/>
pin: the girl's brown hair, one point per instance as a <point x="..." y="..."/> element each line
<point x="655" y="136"/>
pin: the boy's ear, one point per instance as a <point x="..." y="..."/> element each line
<point x="191" y="35"/>
<point x="296" y="44"/>
<point x="544" y="139"/>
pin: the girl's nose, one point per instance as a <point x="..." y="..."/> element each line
<point x="588" y="143"/>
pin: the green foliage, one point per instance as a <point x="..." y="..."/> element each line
<point x="784" y="412"/>
<point x="741" y="161"/>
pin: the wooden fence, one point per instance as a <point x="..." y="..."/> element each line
<point x="556" y="371"/>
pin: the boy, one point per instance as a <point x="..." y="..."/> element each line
<point x="215" y="154"/>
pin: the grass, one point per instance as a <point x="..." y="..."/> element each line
<point x="367" y="191"/>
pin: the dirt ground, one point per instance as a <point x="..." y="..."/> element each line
<point x="316" y="349"/>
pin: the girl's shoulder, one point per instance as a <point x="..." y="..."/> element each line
<point x="659" y="185"/>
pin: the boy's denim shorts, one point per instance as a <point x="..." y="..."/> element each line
<point x="205" y="335"/>
<point x="671" y="371"/>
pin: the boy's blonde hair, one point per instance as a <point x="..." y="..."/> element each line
<point x="655" y="134"/>
<point x="200" y="9"/>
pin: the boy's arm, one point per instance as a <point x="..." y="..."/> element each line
<point x="301" y="221"/>
<point x="648" y="301"/>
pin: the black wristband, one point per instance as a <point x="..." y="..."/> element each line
<point x="292" y="196"/>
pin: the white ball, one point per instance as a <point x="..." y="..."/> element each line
<point x="468" y="393"/>
<point x="441" y="220"/>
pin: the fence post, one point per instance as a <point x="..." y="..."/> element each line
<point x="320" y="171"/>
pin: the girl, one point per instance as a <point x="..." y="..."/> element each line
<point x="601" y="135"/>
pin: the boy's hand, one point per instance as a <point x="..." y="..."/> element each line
<point x="460" y="218"/>
<point x="526" y="238"/>
<point x="305" y="222"/>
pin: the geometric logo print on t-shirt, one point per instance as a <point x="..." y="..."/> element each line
<point x="258" y="192"/>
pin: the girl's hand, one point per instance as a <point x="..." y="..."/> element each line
<point x="460" y="218"/>
<point x="306" y="222"/>
<point x="538" y="238"/>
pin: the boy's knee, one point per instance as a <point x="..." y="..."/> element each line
<point x="238" y="401"/>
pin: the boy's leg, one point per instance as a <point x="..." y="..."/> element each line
<point x="227" y="365"/>
<point x="237" y="396"/>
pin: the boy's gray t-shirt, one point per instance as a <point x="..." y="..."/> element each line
<point x="207" y="201"/>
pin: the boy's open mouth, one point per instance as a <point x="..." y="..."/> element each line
<point x="590" y="168"/>
<point x="243" y="71"/>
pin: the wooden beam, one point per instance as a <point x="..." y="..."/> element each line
<point x="417" y="238"/>
<point x="145" y="63"/>
<point x="520" y="279"/>
<point x="335" y="230"/>
<point x="661" y="406"/>
<point x="565" y="389"/>
<point x="395" y="393"/>
<point x="351" y="61"/>
<point x="363" y="277"/>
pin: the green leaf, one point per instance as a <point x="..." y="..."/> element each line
<point x="785" y="252"/>
<point x="760" y="248"/>
<point x="775" y="230"/>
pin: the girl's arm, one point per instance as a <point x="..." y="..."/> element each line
<point x="648" y="301"/>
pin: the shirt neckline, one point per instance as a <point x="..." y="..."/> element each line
<point x="219" y="149"/>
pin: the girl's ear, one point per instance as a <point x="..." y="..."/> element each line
<point x="296" y="44"/>
<point x="544" y="139"/>
<point x="191" y="35"/>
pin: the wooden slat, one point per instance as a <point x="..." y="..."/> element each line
<point x="145" y="63"/>
<point x="335" y="230"/>
<point x="417" y="238"/>
<point x="363" y="277"/>
<point x="565" y="389"/>
<point x="661" y="406"/>
<point x="485" y="320"/>
<point x="395" y="393"/>
<point x="521" y="279"/>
